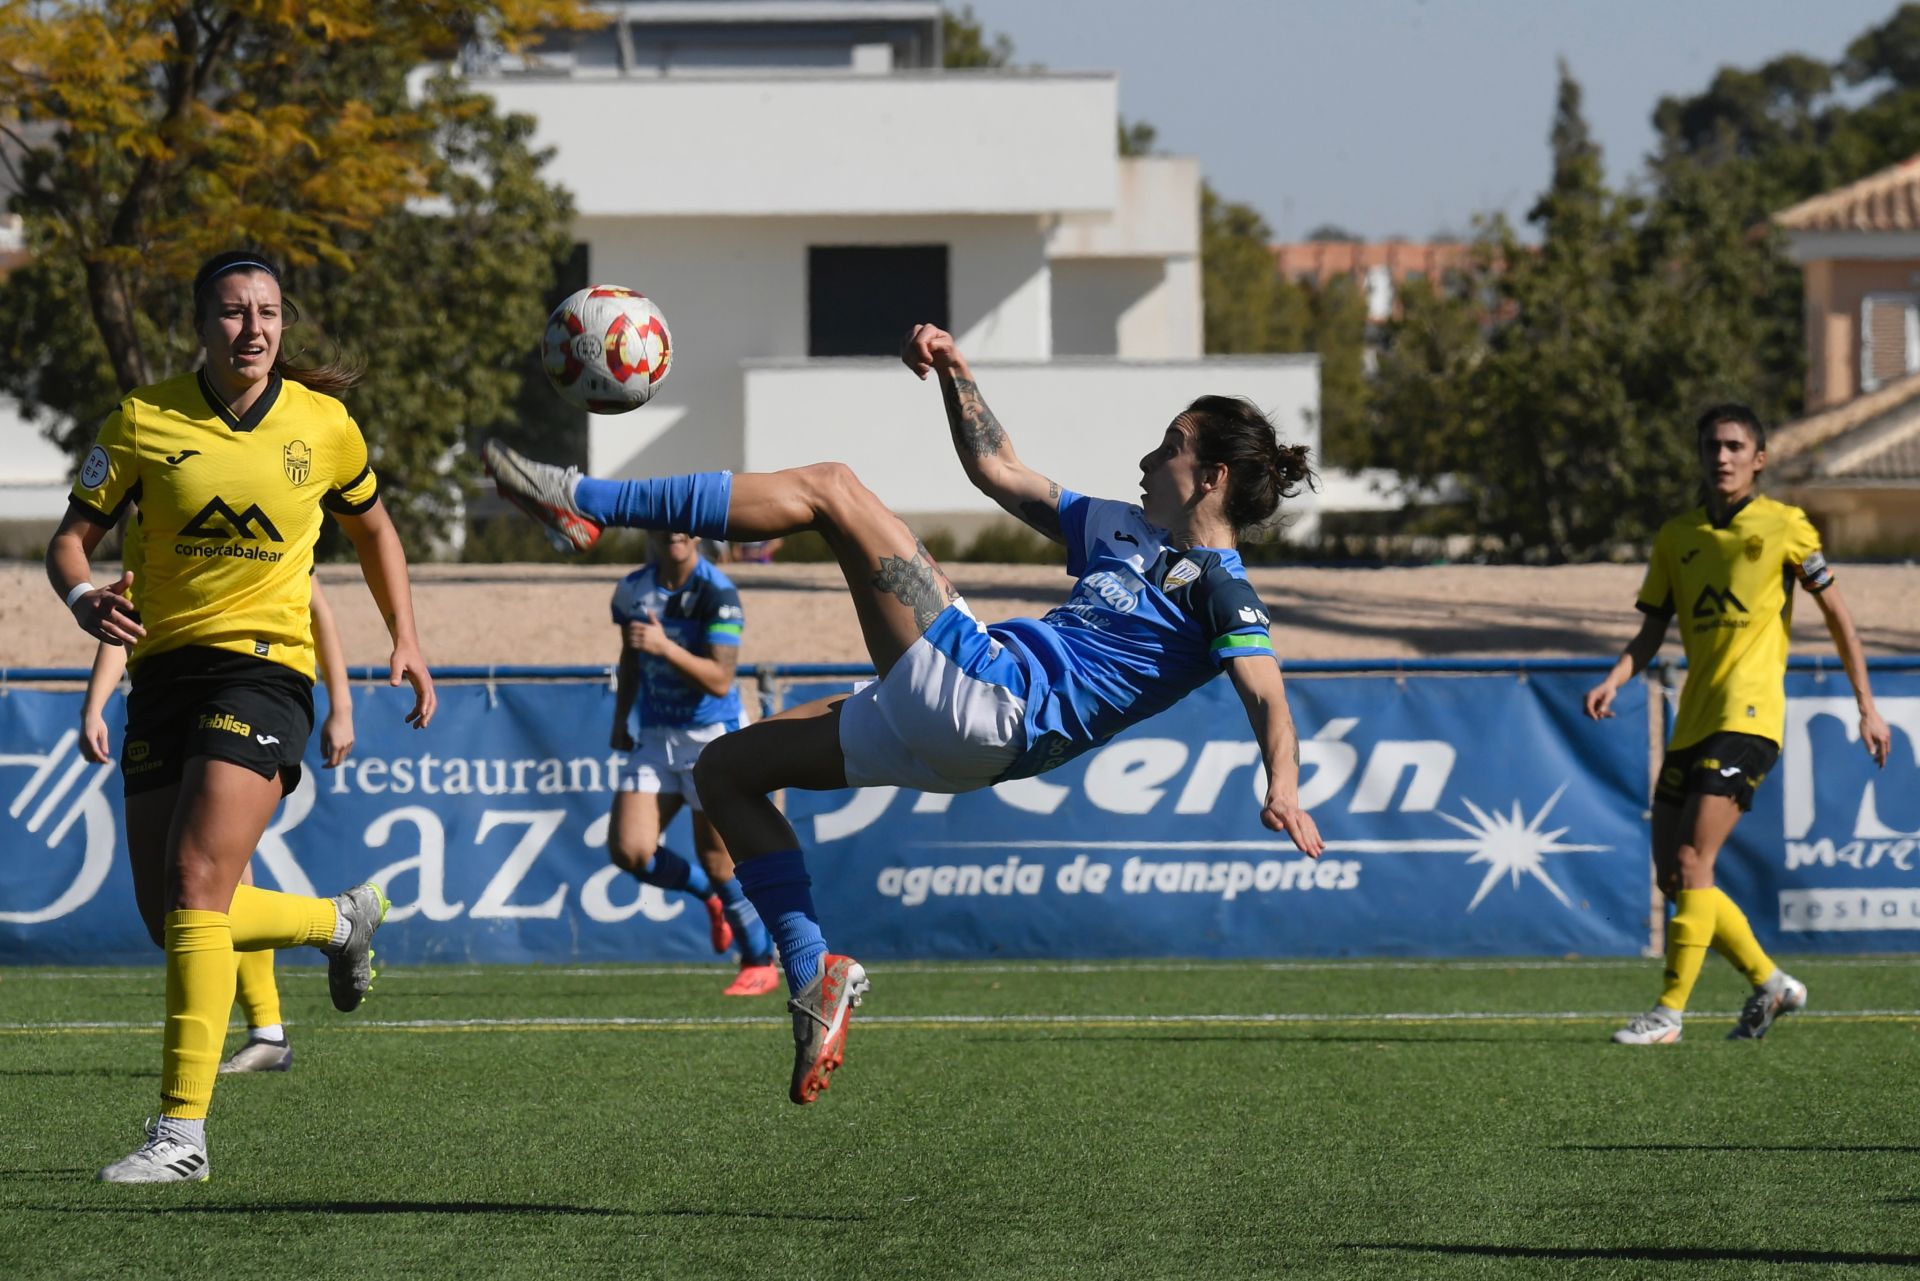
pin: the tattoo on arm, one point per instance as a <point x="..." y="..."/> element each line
<point x="975" y="430"/>
<point x="919" y="584"/>
<point x="1045" y="517"/>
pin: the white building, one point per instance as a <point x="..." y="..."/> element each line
<point x="35" y="477"/>
<point x="797" y="181"/>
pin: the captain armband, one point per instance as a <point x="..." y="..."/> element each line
<point x="1815" y="574"/>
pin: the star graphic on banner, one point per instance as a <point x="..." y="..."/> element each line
<point x="1512" y="844"/>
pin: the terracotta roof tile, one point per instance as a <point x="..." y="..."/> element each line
<point x="1874" y="438"/>
<point x="1884" y="201"/>
<point x="1900" y="460"/>
<point x="1817" y="429"/>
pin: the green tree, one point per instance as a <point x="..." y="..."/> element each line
<point x="150" y="134"/>
<point x="965" y="43"/>
<point x="440" y="297"/>
<point x="1137" y="138"/>
<point x="1245" y="306"/>
<point x="446" y="305"/>
<point x="1339" y="336"/>
<point x="1556" y="383"/>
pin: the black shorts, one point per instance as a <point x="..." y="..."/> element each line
<point x="1726" y="764"/>
<point x="195" y="701"/>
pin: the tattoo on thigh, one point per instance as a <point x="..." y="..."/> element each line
<point x="918" y="584"/>
<point x="1045" y="517"/>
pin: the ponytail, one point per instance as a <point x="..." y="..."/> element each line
<point x="1231" y="431"/>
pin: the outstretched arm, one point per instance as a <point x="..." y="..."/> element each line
<point x="1874" y="734"/>
<point x="1633" y="660"/>
<point x="978" y="437"/>
<point x="1264" y="694"/>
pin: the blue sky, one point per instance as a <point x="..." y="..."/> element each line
<point x="1404" y="116"/>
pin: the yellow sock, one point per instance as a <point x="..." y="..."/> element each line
<point x="267" y="918"/>
<point x="258" y="994"/>
<point x="1733" y="938"/>
<point x="199" y="994"/>
<point x="1688" y="934"/>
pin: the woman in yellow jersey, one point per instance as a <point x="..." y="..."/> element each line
<point x="232" y="467"/>
<point x="1727" y="569"/>
<point x="267" y="1048"/>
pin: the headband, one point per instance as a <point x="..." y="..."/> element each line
<point x="235" y="266"/>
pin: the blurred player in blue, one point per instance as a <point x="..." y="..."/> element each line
<point x="1162" y="605"/>
<point x="680" y="624"/>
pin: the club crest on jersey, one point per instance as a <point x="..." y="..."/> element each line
<point x="297" y="460"/>
<point x="1755" y="546"/>
<point x="1183" y="572"/>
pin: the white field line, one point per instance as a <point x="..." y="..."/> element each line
<point x="669" y="1023"/>
<point x="616" y="970"/>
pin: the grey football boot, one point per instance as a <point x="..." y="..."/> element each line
<point x="1780" y="994"/>
<point x="260" y="1055"/>
<point x="350" y="969"/>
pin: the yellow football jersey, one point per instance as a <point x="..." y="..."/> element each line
<point x="230" y="508"/>
<point x="1731" y="584"/>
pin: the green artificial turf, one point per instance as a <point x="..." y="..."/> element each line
<point x="1384" y="1120"/>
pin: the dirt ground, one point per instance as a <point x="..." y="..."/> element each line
<point x="546" y="614"/>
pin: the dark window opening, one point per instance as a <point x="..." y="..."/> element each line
<point x="861" y="299"/>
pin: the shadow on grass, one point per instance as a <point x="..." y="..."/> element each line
<point x="1649" y="1253"/>
<point x="49" y="1174"/>
<point x="1739" y="1147"/>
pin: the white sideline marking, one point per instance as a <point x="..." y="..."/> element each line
<point x="721" y="969"/>
<point x="535" y="1022"/>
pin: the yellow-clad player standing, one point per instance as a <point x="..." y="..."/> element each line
<point x="1727" y="570"/>
<point x="231" y="467"/>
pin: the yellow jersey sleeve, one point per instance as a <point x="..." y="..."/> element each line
<point x="354" y="488"/>
<point x="1656" y="590"/>
<point x="1803" y="552"/>
<point x="109" y="476"/>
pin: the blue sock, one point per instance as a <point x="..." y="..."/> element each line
<point x="695" y="504"/>
<point x="671" y="872"/>
<point x="779" y="888"/>
<point x="756" y="948"/>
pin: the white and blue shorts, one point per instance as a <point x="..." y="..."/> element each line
<point x="949" y="717"/>
<point x="662" y="759"/>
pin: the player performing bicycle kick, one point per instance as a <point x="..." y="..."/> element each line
<point x="1162" y="604"/>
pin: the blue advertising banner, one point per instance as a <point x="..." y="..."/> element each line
<point x="1464" y="815"/>
<point x="488" y="830"/>
<point x="1829" y="859"/>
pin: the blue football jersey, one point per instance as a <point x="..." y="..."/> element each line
<point x="1147" y="624"/>
<point x="703" y="615"/>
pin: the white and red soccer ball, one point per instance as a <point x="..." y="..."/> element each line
<point x="606" y="349"/>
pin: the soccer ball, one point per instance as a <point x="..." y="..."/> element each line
<point x="606" y="349"/>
